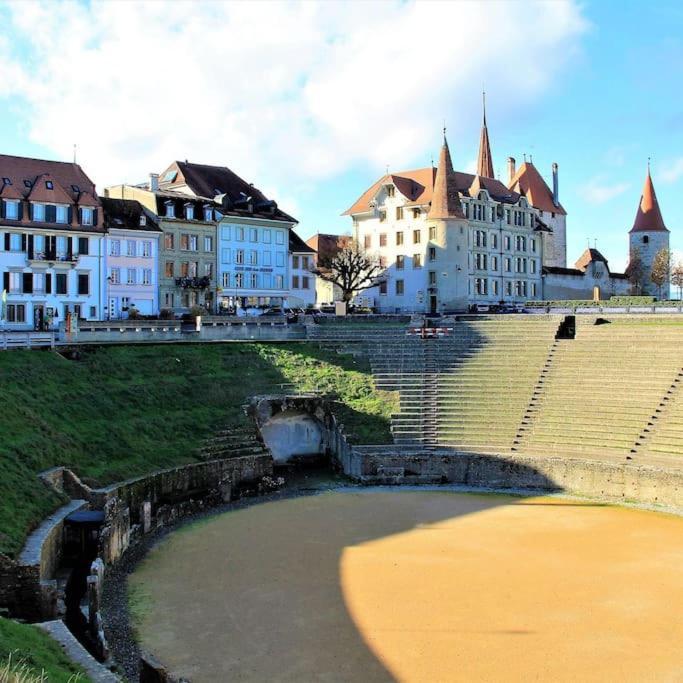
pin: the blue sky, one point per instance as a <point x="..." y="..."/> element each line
<point x="312" y="102"/>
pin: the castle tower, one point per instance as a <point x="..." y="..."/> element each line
<point x="648" y="236"/>
<point x="484" y="160"/>
<point x="449" y="235"/>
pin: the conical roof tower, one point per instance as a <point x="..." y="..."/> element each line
<point x="445" y="199"/>
<point x="648" y="216"/>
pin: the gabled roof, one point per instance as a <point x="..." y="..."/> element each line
<point x="648" y="217"/>
<point x="297" y="245"/>
<point x="529" y="182"/>
<point x="588" y="257"/>
<point x="327" y="245"/>
<point x="47" y="189"/>
<point x="423" y="180"/>
<point x="125" y="215"/>
<point x="68" y="176"/>
<point x="204" y="180"/>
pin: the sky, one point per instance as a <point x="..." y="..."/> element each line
<point x="313" y="101"/>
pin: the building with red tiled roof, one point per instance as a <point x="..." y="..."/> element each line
<point x="51" y="227"/>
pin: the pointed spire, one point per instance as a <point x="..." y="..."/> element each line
<point x="484" y="160"/>
<point x="648" y="216"/>
<point x="445" y="200"/>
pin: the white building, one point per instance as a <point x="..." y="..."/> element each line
<point x="131" y="258"/>
<point x="51" y="248"/>
<point x="302" y="292"/>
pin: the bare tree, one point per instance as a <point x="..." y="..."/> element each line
<point x="661" y="269"/>
<point x="635" y="271"/>
<point x="352" y="269"/>
<point x="677" y="278"/>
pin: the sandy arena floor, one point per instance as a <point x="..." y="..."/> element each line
<point x="418" y="586"/>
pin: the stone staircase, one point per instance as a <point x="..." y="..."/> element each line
<point x="233" y="442"/>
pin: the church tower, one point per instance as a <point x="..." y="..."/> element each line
<point x="448" y="231"/>
<point x="484" y="160"/>
<point x="648" y="236"/>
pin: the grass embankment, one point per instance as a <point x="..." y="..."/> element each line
<point x="34" y="657"/>
<point x="124" y="411"/>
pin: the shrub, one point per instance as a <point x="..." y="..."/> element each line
<point x="197" y="311"/>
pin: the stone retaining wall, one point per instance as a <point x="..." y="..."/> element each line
<point x="619" y="482"/>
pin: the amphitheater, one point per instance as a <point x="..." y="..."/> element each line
<point x="523" y="523"/>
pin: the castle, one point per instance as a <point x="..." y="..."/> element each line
<point x="448" y="239"/>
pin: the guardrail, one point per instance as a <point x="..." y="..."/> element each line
<point x="27" y="339"/>
<point x="580" y="310"/>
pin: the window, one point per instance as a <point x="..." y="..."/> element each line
<point x="432" y="253"/>
<point x="208" y="243"/>
<point x="481" y="285"/>
<point x="417" y="212"/>
<point x="400" y="262"/>
<point x="383" y="239"/>
<point x="115" y="249"/>
<point x="169" y="299"/>
<point x="383" y="287"/>
<point x="15" y="283"/>
<point x="382" y="215"/>
<point x="305" y="282"/>
<point x="533" y="289"/>
<point x="39" y="283"/>
<point x="304" y="263"/>
<point x="399" y="213"/>
<point x="494" y="241"/>
<point x="399" y="288"/>
<point x="83" y="283"/>
<point x="27" y="283"/>
<point x="532" y="265"/>
<point x="391" y="190"/>
<point x="226" y="280"/>
<point x="239" y="280"/>
<point x="189" y="212"/>
<point x="417" y="260"/>
<point x="239" y="234"/>
<point x="147" y="249"/>
<point x="506" y="242"/>
<point x="508" y="264"/>
<point x="87" y="216"/>
<point x="432" y="232"/>
<point x="184" y="242"/>
<point x="267" y="258"/>
<point x="49" y="185"/>
<point x="194" y="268"/>
<point x="131" y="248"/>
<point x="495" y="287"/>
<point x="295" y="282"/>
<point x="170" y="210"/>
<point x="279" y="237"/>
<point x="416" y="237"/>
<point x="208" y="213"/>
<point x="253" y="280"/>
<point x="169" y="269"/>
<point x="11" y="210"/>
<point x="279" y="282"/>
<point x="532" y="242"/>
<point x="225" y="255"/>
<point x="399" y="239"/>
<point x="16" y="313"/>
<point x="480" y="238"/>
<point x="239" y="256"/>
<point x="295" y="262"/>
<point x="131" y="276"/>
<point x="184" y="269"/>
<point x="280" y="259"/>
<point x="169" y="240"/>
<point x="646" y="239"/>
<point x="494" y="263"/>
<point x="480" y="261"/>
<point x="367" y="241"/>
<point x="253" y="257"/>
<point x="432" y="278"/>
<point x="62" y="245"/>
<point x="266" y="236"/>
<point x="83" y="246"/>
<point x="253" y="235"/>
<point x="60" y="282"/>
<point x="15" y="241"/>
<point x="147" y="276"/>
<point x="39" y="212"/>
<point x="62" y="214"/>
<point x="194" y="243"/>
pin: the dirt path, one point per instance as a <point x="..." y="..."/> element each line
<point x="418" y="586"/>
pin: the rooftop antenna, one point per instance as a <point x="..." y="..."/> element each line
<point x="525" y="158"/>
<point x="387" y="169"/>
<point x="74" y="152"/>
<point x="483" y="101"/>
<point x="444" y="130"/>
<point x="648" y="165"/>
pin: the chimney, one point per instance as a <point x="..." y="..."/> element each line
<point x="153" y="182"/>
<point x="556" y="190"/>
<point x="511" y="168"/>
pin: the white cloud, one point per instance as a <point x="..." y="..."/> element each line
<point x="283" y="93"/>
<point x="598" y="190"/>
<point x="671" y="171"/>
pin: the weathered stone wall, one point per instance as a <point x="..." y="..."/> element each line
<point x="609" y="480"/>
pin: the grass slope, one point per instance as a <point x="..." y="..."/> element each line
<point x="38" y="652"/>
<point x="124" y="411"/>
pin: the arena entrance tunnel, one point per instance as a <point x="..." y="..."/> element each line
<point x="414" y="584"/>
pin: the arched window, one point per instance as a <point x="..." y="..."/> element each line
<point x="646" y="239"/>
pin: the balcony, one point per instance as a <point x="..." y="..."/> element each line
<point x="193" y="282"/>
<point x="48" y="259"/>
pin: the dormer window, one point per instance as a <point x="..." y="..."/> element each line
<point x="86" y="215"/>
<point x="6" y="181"/>
<point x="39" y="212"/>
<point x="28" y="183"/>
<point x="208" y="213"/>
<point x="49" y="185"/>
<point x="62" y="214"/>
<point x="12" y="210"/>
<point x="189" y="212"/>
<point x="75" y="188"/>
<point x="143" y="220"/>
<point x="417" y="212"/>
<point x="170" y="210"/>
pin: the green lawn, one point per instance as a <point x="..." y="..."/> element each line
<point x="37" y="652"/>
<point x="123" y="411"/>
